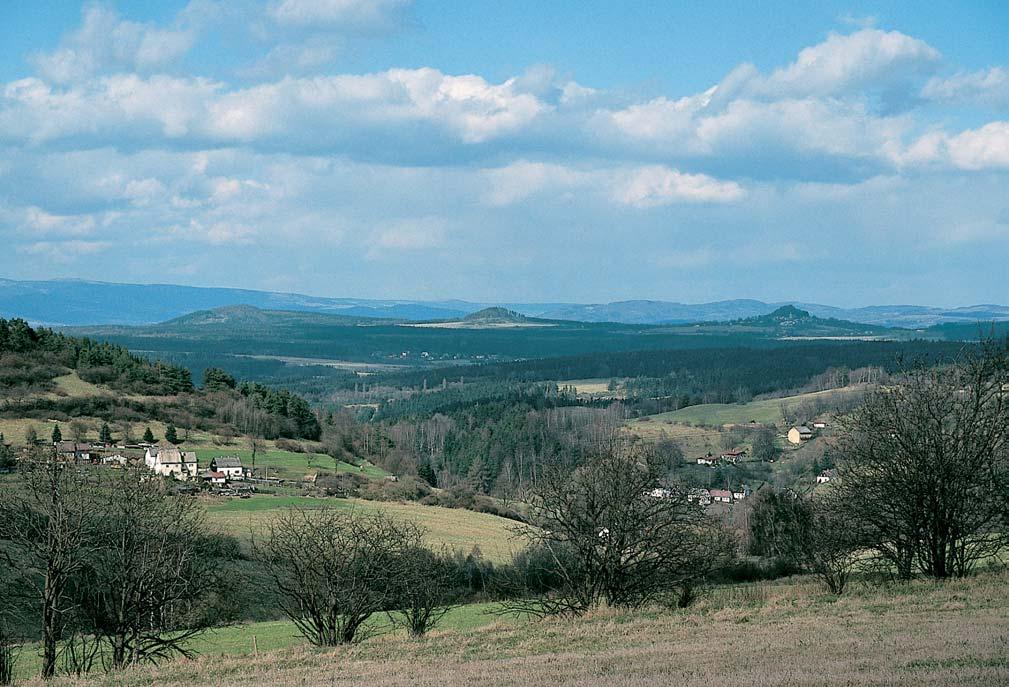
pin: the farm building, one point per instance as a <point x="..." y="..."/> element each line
<point x="707" y="460"/>
<point x="826" y="476"/>
<point x="215" y="477"/>
<point x="171" y="462"/>
<point x="230" y="466"/>
<point x="72" y="450"/>
<point x="799" y="434"/>
<point x="721" y="496"/>
<point x="733" y="455"/>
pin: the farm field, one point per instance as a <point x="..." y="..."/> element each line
<point x="286" y="464"/>
<point x="249" y="639"/>
<point x="592" y="387"/>
<point x="765" y="411"/>
<point x="787" y="633"/>
<point x="452" y="527"/>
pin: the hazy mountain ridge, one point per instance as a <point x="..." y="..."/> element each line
<point x="75" y="302"/>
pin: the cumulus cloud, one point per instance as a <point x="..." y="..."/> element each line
<point x="341" y="13"/>
<point x="411" y="234"/>
<point x="319" y="111"/>
<point x="988" y="88"/>
<point x="866" y="59"/>
<point x="105" y="41"/>
<point x="639" y="186"/>
<point x="983" y="148"/>
<point x="656" y="185"/>
<point x="64" y="251"/>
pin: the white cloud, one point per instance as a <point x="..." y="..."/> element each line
<point x="412" y="234"/>
<point x="312" y="110"/>
<point x="36" y="221"/>
<point x="106" y="41"/>
<point x="641" y="186"/>
<point x="657" y="185"/>
<point x="522" y="179"/>
<point x="983" y="148"/>
<point x="988" y="88"/>
<point x="863" y="59"/>
<point x="64" y="251"/>
<point x="353" y="13"/>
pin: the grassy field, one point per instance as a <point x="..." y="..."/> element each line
<point x="695" y="441"/>
<point x="599" y="388"/>
<point x="284" y="464"/>
<point x="789" y="634"/>
<point x="766" y="411"/>
<point x="452" y="527"/>
<point x="250" y="639"/>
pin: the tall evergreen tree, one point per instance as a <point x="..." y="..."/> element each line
<point x="57" y="435"/>
<point x="171" y="435"/>
<point x="105" y="434"/>
<point x="148" y="435"/>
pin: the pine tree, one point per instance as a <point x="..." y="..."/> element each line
<point x="105" y="434"/>
<point x="148" y="436"/>
<point x="57" y="435"/>
<point x="170" y="434"/>
<point x="426" y="473"/>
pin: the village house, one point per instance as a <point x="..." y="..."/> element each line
<point x="721" y="496"/>
<point x="826" y="476"/>
<point x="741" y="493"/>
<point x="708" y="460"/>
<point x="819" y="424"/>
<point x="799" y="434"/>
<point x="661" y="493"/>
<point x="215" y="478"/>
<point x="72" y="450"/>
<point x="230" y="466"/>
<point x="171" y="462"/>
<point x="117" y="460"/>
<point x="733" y="455"/>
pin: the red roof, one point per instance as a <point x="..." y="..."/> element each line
<point x="214" y="475"/>
<point x="721" y="493"/>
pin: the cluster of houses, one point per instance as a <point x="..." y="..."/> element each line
<point x="731" y="456"/>
<point x="705" y="497"/>
<point x="182" y="465"/>
<point x="166" y="461"/>
<point x="803" y="433"/>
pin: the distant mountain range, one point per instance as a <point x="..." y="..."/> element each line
<point x="74" y="302"/>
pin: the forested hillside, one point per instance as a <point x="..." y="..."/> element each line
<point x="130" y="387"/>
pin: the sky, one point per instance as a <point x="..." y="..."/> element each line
<point x="846" y="153"/>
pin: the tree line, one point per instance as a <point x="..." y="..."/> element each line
<point x="920" y="485"/>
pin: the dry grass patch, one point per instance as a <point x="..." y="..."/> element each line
<point x="789" y="635"/>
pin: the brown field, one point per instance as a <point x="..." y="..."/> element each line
<point x="695" y="441"/>
<point x="790" y="635"/>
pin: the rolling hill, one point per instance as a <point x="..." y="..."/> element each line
<point x="78" y="302"/>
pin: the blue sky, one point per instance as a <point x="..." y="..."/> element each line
<point x="847" y="153"/>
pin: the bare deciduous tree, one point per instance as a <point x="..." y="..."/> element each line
<point x="425" y="591"/>
<point x="925" y="468"/>
<point x="46" y="517"/>
<point x="613" y="533"/>
<point x="334" y="569"/>
<point x="147" y="590"/>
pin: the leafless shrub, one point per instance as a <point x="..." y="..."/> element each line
<point x="335" y="569"/>
<point x="606" y="536"/>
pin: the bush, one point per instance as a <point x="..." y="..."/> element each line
<point x="289" y="445"/>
